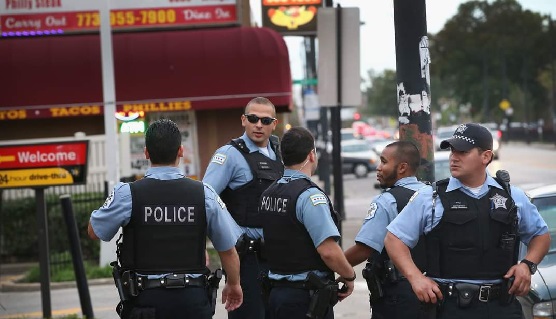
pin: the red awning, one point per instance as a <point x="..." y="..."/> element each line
<point x="206" y="69"/>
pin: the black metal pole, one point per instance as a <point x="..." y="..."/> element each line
<point x="336" y="122"/>
<point x="413" y="80"/>
<point x="44" y="260"/>
<point x="77" y="257"/>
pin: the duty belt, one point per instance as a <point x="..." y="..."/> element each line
<point x="137" y="283"/>
<point x="485" y="292"/>
<point x="292" y="284"/>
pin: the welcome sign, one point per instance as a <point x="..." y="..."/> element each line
<point x="42" y="165"/>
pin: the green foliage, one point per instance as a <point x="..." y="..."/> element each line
<point x="381" y="96"/>
<point x="490" y="50"/>
<point x="19" y="226"/>
<point x="67" y="273"/>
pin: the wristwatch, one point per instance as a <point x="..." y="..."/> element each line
<point x="532" y="266"/>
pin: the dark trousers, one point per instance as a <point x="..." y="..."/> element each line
<point x="291" y="303"/>
<point x="167" y="303"/>
<point x="399" y="302"/>
<point x="479" y="310"/>
<point x="253" y="306"/>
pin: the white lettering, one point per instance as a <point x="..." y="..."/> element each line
<point x="39" y="157"/>
<point x="158" y="217"/>
<point x="168" y="214"/>
<point x="190" y="14"/>
<point x="13" y="23"/>
<point x="222" y="14"/>
<point x="180" y="210"/>
<point x="51" y="21"/>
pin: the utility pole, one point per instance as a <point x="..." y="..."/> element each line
<point x="413" y="80"/>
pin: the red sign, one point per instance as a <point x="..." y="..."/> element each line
<point x="43" y="164"/>
<point x="81" y="21"/>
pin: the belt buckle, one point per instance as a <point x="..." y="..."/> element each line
<point x="484" y="293"/>
<point x="174" y="281"/>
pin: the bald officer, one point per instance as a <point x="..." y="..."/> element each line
<point x="240" y="171"/>
<point x="165" y="220"/>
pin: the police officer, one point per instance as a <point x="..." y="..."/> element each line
<point x="301" y="234"/>
<point x="240" y="171"/>
<point x="471" y="222"/>
<point x="165" y="219"/>
<point x="391" y="294"/>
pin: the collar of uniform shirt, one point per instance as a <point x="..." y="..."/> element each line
<point x="164" y="172"/>
<point x="290" y="174"/>
<point x="454" y="184"/>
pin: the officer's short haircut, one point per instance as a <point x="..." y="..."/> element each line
<point x="163" y="140"/>
<point x="260" y="100"/>
<point x="296" y="144"/>
<point x="407" y="152"/>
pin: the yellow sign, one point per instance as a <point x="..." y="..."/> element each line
<point x="35" y="177"/>
<point x="504" y="104"/>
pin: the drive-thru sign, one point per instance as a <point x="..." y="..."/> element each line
<point x="42" y="165"/>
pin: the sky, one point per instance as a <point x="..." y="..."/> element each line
<point x="378" y="50"/>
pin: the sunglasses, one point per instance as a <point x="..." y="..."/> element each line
<point x="252" y="118"/>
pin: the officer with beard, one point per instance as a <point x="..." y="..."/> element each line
<point x="390" y="293"/>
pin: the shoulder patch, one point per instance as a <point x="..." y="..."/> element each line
<point x="108" y="200"/>
<point x="318" y="199"/>
<point x="218" y="158"/>
<point x="371" y="211"/>
<point x="220" y="202"/>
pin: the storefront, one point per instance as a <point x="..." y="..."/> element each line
<point x="51" y="86"/>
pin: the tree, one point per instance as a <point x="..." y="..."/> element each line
<point x="487" y="51"/>
<point x="381" y="95"/>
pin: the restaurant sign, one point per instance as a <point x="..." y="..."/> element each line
<point x="46" y="17"/>
<point x="42" y="165"/>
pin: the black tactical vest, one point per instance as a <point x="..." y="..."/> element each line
<point x="167" y="230"/>
<point x="288" y="245"/>
<point x="466" y="242"/>
<point x="418" y="253"/>
<point x="242" y="202"/>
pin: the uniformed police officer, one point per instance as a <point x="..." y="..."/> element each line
<point x="165" y="219"/>
<point x="240" y="171"/>
<point x="391" y="294"/>
<point x="301" y="234"/>
<point x="471" y="222"/>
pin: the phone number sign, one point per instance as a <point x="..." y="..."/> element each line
<point x="26" y="17"/>
<point x="41" y="165"/>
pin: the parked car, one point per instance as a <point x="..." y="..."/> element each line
<point x="358" y="158"/>
<point x="540" y="302"/>
<point x="441" y="165"/>
<point x="442" y="133"/>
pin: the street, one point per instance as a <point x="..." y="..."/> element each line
<point x="529" y="166"/>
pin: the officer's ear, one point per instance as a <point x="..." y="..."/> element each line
<point x="402" y="168"/>
<point x="180" y="151"/>
<point x="146" y="153"/>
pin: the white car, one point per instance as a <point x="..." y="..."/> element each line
<point x="358" y="158"/>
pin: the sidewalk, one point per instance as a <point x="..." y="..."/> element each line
<point x="354" y="307"/>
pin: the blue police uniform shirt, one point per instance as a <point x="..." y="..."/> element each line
<point x="228" y="168"/>
<point x="314" y="214"/>
<point x="116" y="212"/>
<point x="416" y="218"/>
<point x="382" y="210"/>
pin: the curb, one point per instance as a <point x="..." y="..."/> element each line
<point x="14" y="286"/>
